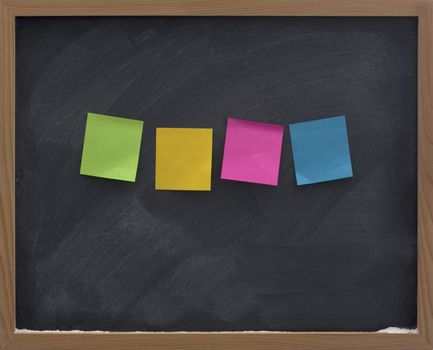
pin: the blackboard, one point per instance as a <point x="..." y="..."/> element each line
<point x="96" y="254"/>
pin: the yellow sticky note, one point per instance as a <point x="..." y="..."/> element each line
<point x="183" y="159"/>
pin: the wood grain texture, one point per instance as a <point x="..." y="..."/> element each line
<point x="424" y="340"/>
<point x="7" y="177"/>
<point x="218" y="341"/>
<point x="216" y="8"/>
<point x="425" y="175"/>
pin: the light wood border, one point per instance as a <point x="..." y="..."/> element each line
<point x="10" y="339"/>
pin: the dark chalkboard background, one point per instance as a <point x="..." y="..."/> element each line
<point x="95" y="254"/>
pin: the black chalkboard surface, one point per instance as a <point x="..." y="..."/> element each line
<point x="96" y="254"/>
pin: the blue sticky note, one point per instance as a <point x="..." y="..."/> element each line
<point x="320" y="150"/>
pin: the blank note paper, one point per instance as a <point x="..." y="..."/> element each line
<point x="183" y="159"/>
<point x="320" y="150"/>
<point x="111" y="147"/>
<point x="252" y="152"/>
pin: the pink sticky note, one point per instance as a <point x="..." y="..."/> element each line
<point x="252" y="152"/>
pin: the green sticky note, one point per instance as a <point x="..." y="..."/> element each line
<point x="111" y="147"/>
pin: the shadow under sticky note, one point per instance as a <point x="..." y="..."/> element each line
<point x="183" y="159"/>
<point x="320" y="150"/>
<point x="252" y="152"/>
<point x="111" y="147"/>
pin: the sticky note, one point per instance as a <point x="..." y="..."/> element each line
<point x="252" y="152"/>
<point x="111" y="147"/>
<point x="183" y="159"/>
<point x="320" y="150"/>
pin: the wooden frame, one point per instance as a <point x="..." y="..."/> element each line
<point x="11" y="339"/>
